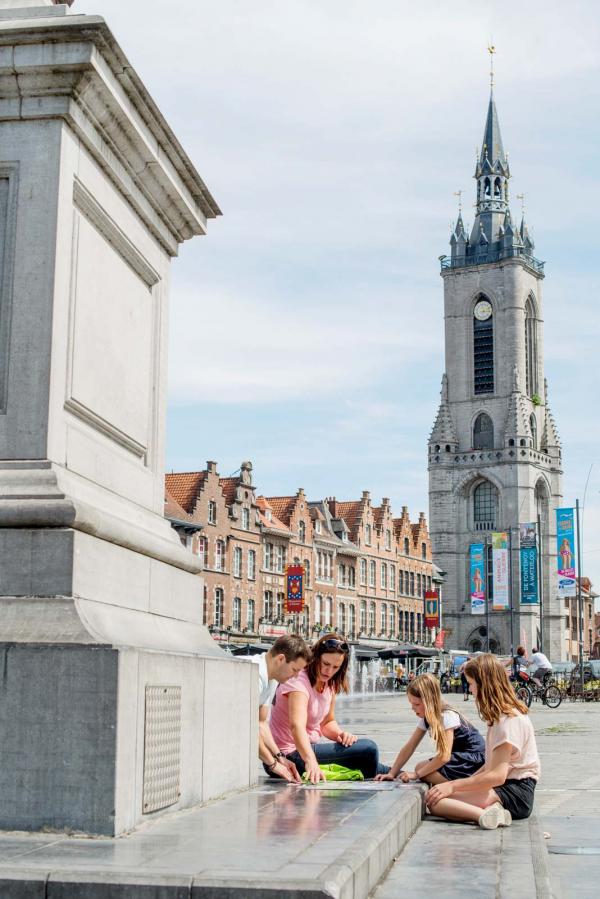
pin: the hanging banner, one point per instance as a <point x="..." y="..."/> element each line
<point x="500" y="599"/>
<point x="294" y="598"/>
<point x="440" y="638"/>
<point x="565" y="544"/>
<point x="529" y="568"/>
<point x="432" y="609"/>
<point x="477" y="575"/>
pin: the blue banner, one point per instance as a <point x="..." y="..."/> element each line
<point x="477" y="578"/>
<point x="565" y="552"/>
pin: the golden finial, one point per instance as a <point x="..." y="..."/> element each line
<point x="491" y="50"/>
<point x="459" y="193"/>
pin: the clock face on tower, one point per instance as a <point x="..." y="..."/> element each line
<point x="483" y="310"/>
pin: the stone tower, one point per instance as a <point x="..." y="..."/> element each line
<point x="494" y="452"/>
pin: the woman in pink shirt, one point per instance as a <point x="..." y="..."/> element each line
<point x="303" y="716"/>
<point x="505" y="786"/>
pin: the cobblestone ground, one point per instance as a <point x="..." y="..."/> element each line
<point x="568" y="797"/>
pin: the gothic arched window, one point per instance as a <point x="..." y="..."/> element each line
<point x="483" y="432"/>
<point x="533" y="428"/>
<point x="485" y="506"/>
<point x="483" y="347"/>
<point x="497" y="188"/>
<point x="530" y="348"/>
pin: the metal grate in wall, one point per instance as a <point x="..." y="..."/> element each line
<point x="162" y="747"/>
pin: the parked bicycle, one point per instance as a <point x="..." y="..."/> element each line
<point x="527" y="690"/>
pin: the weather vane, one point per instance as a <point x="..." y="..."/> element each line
<point x="491" y="51"/>
<point x="459" y="193"/>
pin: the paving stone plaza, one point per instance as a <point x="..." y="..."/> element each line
<point x="285" y="841"/>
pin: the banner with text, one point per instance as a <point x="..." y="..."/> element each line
<point x="432" y="609"/>
<point x="477" y="578"/>
<point x="500" y="567"/>
<point x="565" y="555"/>
<point x="529" y="570"/>
<point x="295" y="589"/>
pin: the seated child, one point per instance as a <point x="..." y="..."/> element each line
<point x="460" y="746"/>
<point x="504" y="788"/>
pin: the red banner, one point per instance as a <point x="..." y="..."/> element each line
<point x="439" y="640"/>
<point x="432" y="609"/>
<point x="295" y="589"/>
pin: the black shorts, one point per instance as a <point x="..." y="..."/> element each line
<point x="517" y="796"/>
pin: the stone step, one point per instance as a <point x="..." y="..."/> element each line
<point x="285" y="842"/>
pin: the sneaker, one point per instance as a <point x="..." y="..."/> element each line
<point x="495" y="816"/>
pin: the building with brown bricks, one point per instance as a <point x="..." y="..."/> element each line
<point x="366" y="572"/>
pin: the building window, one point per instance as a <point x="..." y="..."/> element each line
<point x="483" y="432"/>
<point x="400" y="581"/>
<point x="406" y="634"/>
<point x="485" y="505"/>
<point x="246" y="519"/>
<point x="423" y="550"/>
<point x="237" y="613"/>
<point x="392" y="619"/>
<point x="302" y="532"/>
<point x="351" y="576"/>
<point x="412" y="583"/>
<point x="219" y="555"/>
<point x="280" y="559"/>
<point x="371" y="573"/>
<point x="352" y="619"/>
<point x="341" y="575"/>
<point x="412" y="635"/>
<point x="483" y="355"/>
<point x="418" y="584"/>
<point x="363" y="615"/>
<point x="237" y="562"/>
<point x="203" y="551"/>
<point x="383" y="614"/>
<point x="530" y="348"/>
<point x="317" y="527"/>
<point x="218" y="607"/>
<point x="406" y="546"/>
<point x="362" y="570"/>
<point x="388" y="539"/>
<point x="429" y="582"/>
<point x="212" y="512"/>
<point x="318" y="609"/>
<point x="372" y="617"/>
<point x="251" y="614"/>
<point x="383" y="576"/>
<point x="251" y="564"/>
<point x="392" y="577"/>
<point x="279" y="607"/>
<point x="268" y="556"/>
<point x="368" y="534"/>
<point x="268" y="605"/>
<point x="329" y="611"/>
<point x="306" y="573"/>
<point x="341" y="618"/>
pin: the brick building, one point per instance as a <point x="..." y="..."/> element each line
<point x="588" y="598"/>
<point x="366" y="572"/>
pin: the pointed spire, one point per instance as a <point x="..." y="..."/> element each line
<point x="517" y="418"/>
<point x="492" y="148"/>
<point x="443" y="431"/>
<point x="550" y="437"/>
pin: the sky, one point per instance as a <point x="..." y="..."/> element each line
<point x="306" y="328"/>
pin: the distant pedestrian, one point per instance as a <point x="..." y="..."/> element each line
<point x="460" y="746"/>
<point x="504" y="788"/>
<point x="464" y="682"/>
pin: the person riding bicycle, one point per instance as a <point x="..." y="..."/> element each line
<point x="540" y="665"/>
<point x="519" y="662"/>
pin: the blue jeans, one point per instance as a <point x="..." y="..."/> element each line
<point x="362" y="755"/>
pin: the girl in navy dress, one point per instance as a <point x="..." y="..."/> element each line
<point x="460" y="748"/>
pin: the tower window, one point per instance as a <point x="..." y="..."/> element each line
<point x="483" y="351"/>
<point x="485" y="506"/>
<point x="483" y="432"/>
<point x="530" y="348"/>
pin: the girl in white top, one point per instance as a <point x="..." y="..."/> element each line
<point x="504" y="788"/>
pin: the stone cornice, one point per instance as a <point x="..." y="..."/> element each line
<point x="71" y="67"/>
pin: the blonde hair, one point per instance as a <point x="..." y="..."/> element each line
<point x="426" y="687"/>
<point x="495" y="695"/>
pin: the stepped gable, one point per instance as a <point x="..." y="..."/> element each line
<point x="421" y="535"/>
<point x="443" y="430"/>
<point x="282" y="507"/>
<point x="184" y="487"/>
<point x="403" y="527"/>
<point x="229" y="488"/>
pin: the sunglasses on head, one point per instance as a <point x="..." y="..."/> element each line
<point x="337" y="645"/>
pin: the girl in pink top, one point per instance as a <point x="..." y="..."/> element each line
<point x="303" y="716"/>
<point x="504" y="788"/>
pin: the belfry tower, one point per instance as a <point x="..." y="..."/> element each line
<point x="494" y="452"/>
